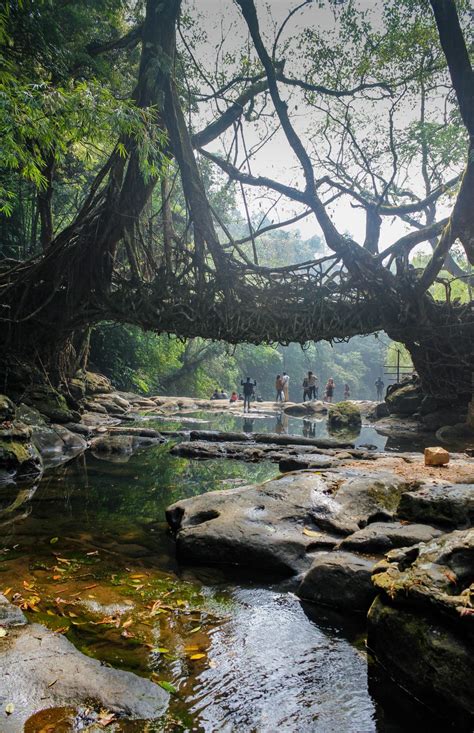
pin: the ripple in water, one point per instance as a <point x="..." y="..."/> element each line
<point x="273" y="669"/>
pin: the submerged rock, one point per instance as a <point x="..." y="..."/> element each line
<point x="304" y="408"/>
<point x="125" y="441"/>
<point x="42" y="669"/>
<point x="340" y="580"/>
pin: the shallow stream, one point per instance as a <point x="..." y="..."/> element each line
<point x="87" y="553"/>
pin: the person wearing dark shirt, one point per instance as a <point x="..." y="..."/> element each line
<point x="379" y="385"/>
<point x="248" y="389"/>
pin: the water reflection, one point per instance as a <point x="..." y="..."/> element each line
<point x="282" y="424"/>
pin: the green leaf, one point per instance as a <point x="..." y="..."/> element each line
<point x="53" y="540"/>
<point x="167" y="686"/>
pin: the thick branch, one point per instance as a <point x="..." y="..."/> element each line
<point x="457" y="56"/>
<point x="231" y="115"/>
<point x="129" y="40"/>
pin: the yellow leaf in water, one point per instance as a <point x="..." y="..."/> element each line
<point x="7" y="591"/>
<point x="311" y="533"/>
<point x="128" y="623"/>
<point x="9" y="708"/>
<point x="3" y="632"/>
<point x="105" y="718"/>
<point x="193" y="631"/>
<point x="192" y="648"/>
<point x="138" y="575"/>
<point x="197" y="656"/>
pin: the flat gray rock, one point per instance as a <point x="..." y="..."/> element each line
<point x="10" y="615"/>
<point x="277" y="525"/>
<point x="451" y="505"/>
<point x="40" y="669"/>
<point x="340" y="580"/>
<point x="383" y="536"/>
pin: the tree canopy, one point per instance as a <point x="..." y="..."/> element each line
<point x="358" y="119"/>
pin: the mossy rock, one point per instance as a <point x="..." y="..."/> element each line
<point x="19" y="459"/>
<point x="430" y="658"/>
<point x="7" y="409"/>
<point x="77" y="387"/>
<point x="343" y="415"/>
<point x="405" y="399"/>
<point x="97" y="383"/>
<point x="49" y="402"/>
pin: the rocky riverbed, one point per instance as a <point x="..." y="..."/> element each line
<point x="351" y="528"/>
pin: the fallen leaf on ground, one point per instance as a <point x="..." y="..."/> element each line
<point x="3" y="632"/>
<point x="9" y="708"/>
<point x="197" y="656"/>
<point x="311" y="532"/>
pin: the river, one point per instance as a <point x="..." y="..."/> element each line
<point x="87" y="552"/>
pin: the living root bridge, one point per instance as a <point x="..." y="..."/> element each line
<point x="246" y="315"/>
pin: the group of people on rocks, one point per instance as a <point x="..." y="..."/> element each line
<point x="310" y="390"/>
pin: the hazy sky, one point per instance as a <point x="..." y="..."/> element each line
<point x="276" y="160"/>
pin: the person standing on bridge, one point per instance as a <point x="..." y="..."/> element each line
<point x="286" y="383"/>
<point x="248" y="389"/>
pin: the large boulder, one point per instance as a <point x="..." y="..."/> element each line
<point x="405" y="399"/>
<point x="55" y="443"/>
<point x="344" y="415"/>
<point x="276" y="525"/>
<point x="49" y="402"/>
<point x="421" y="625"/>
<point x="42" y="669"/>
<point x="340" y="580"/>
<point x="19" y="459"/>
<point x="444" y="504"/>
